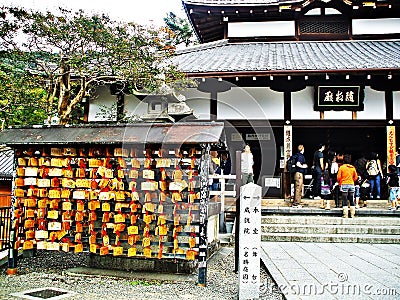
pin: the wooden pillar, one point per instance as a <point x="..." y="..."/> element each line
<point x="214" y="106"/>
<point x="237" y="225"/>
<point x="204" y="196"/>
<point x="12" y="252"/>
<point x="287" y="111"/>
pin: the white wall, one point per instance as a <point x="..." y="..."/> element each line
<point x="272" y="28"/>
<point x="102" y="98"/>
<point x="250" y="104"/>
<point x="199" y="102"/>
<point x="303" y="105"/>
<point x="376" y="26"/>
<point x="133" y="106"/>
<point x="374" y="106"/>
<point x="256" y="103"/>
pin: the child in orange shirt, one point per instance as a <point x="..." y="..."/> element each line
<point x="346" y="177"/>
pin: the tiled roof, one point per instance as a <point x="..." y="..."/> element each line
<point x="307" y="56"/>
<point x="6" y="162"/>
<point x="154" y="133"/>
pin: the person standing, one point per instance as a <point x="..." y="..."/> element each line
<point x="346" y="177"/>
<point x="335" y="186"/>
<point x="301" y="169"/>
<point x="318" y="163"/>
<point x="247" y="165"/>
<point x="225" y="164"/>
<point x="360" y="165"/>
<point x="398" y="161"/>
<point x="375" y="174"/>
<point x="213" y="170"/>
<point x="392" y="180"/>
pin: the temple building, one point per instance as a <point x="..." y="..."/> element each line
<point x="285" y="72"/>
<point x="317" y="71"/>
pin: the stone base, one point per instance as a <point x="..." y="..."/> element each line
<point x="165" y="265"/>
<point x="142" y="264"/>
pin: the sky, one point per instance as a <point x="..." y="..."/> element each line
<point x="145" y="12"/>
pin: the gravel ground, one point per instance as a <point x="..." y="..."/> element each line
<point x="47" y="268"/>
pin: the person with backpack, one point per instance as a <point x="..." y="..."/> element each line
<point x="361" y="192"/>
<point x="300" y="171"/>
<point x="375" y="174"/>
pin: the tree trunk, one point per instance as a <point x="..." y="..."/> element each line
<point x="64" y="91"/>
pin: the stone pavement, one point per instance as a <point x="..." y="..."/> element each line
<point x="334" y="270"/>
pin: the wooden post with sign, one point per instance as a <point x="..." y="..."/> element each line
<point x="12" y="251"/>
<point x="287" y="149"/>
<point x="250" y="241"/>
<point x="238" y="184"/>
<point x="391" y="145"/>
<point x="204" y="194"/>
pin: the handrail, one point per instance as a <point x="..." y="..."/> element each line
<point x="222" y="192"/>
<point x="5" y="226"/>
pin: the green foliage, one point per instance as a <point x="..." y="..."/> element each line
<point x="22" y="99"/>
<point x="73" y="52"/>
<point x="179" y="31"/>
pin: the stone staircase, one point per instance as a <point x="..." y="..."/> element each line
<point x="317" y="225"/>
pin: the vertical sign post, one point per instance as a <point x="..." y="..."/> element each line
<point x="238" y="184"/>
<point x="391" y="145"/>
<point x="287" y="152"/>
<point x="250" y="241"/>
<point x="204" y="194"/>
<point x="12" y="251"/>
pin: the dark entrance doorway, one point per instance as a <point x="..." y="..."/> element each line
<point x="352" y="140"/>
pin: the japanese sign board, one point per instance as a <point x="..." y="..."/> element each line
<point x="249" y="241"/>
<point x="391" y="145"/>
<point x="339" y="98"/>
<point x="258" y="136"/>
<point x="287" y="140"/>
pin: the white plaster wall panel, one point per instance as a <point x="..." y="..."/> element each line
<point x="199" y="102"/>
<point x="271" y="28"/>
<point x="374" y="106"/>
<point x="376" y="26"/>
<point x="396" y="105"/>
<point x="102" y="98"/>
<point x="337" y="115"/>
<point x="303" y="105"/>
<point x="250" y="104"/>
<point x="134" y="107"/>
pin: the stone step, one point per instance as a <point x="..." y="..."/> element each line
<point x="330" y="229"/>
<point x="230" y="203"/>
<point x="317" y="203"/>
<point x="331" y="238"/>
<point x="331" y="220"/>
<point x="226" y="238"/>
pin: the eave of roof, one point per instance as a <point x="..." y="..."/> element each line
<point x="209" y="18"/>
<point x="288" y="57"/>
<point x="160" y="133"/>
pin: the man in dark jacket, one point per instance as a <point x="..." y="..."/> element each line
<point x="319" y="167"/>
<point x="360" y="165"/>
<point x="301" y="170"/>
